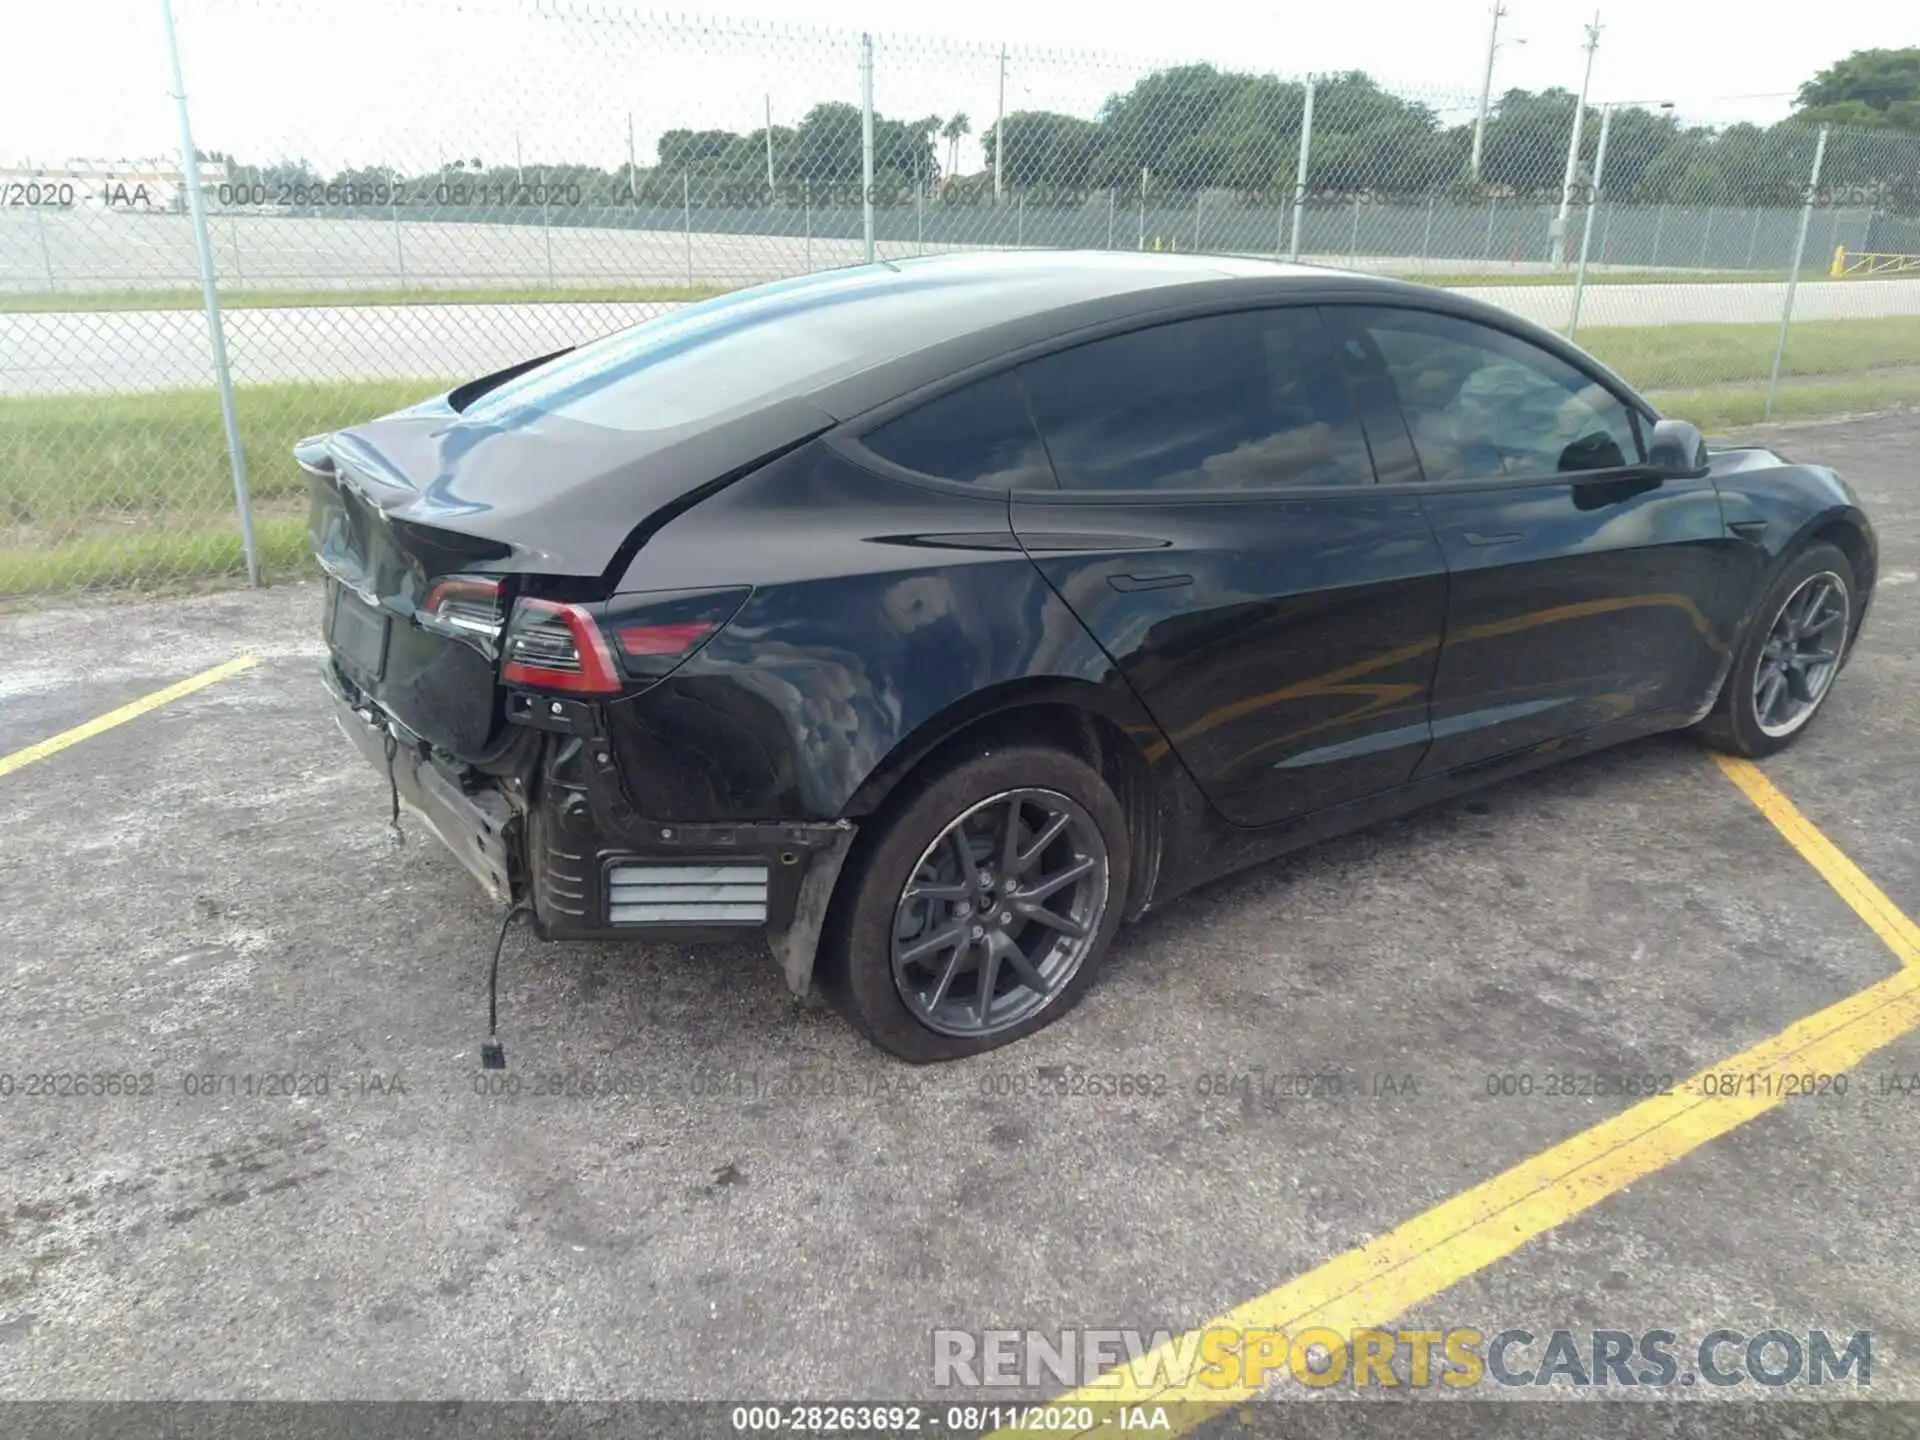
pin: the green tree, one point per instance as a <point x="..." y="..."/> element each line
<point x="1869" y="87"/>
<point x="955" y="130"/>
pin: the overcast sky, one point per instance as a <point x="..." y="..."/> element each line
<point x="414" y="83"/>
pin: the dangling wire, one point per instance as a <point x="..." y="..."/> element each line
<point x="394" y="833"/>
<point x="493" y="1055"/>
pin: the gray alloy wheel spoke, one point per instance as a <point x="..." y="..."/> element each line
<point x="1010" y="840"/>
<point x="969" y="872"/>
<point x="933" y="944"/>
<point x="1797" y="660"/>
<point x="989" y="973"/>
<point x="1057" y="881"/>
<point x="1047" y="834"/>
<point x="1065" y="924"/>
<point x="1023" y="967"/>
<point x="946" y="975"/>
<point x="1769" y="693"/>
<point x="976" y="953"/>
<point x="937" y="890"/>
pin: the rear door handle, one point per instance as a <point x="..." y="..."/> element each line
<point x="1129" y="583"/>
<point x="1475" y="537"/>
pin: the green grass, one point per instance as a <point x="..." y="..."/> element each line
<point x="43" y="302"/>
<point x="111" y="490"/>
<point x="1723" y="409"/>
<point x="1466" y="279"/>
<point x="1654" y="356"/>
<point x="104" y="490"/>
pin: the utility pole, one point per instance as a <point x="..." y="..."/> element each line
<point x="1000" y="133"/>
<point x="1486" y="89"/>
<point x="1556" y="234"/>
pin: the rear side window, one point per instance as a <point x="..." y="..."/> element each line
<point x="980" y="434"/>
<point x="1246" y="401"/>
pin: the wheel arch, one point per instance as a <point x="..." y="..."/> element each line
<point x="1077" y="716"/>
<point x="1845" y="531"/>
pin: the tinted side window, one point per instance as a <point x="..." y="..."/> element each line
<point x="1481" y="403"/>
<point x="980" y="434"/>
<point x="1227" y="402"/>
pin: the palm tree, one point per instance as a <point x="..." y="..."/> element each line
<point x="956" y="129"/>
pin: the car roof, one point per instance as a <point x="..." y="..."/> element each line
<point x="833" y="346"/>
<point x="799" y="337"/>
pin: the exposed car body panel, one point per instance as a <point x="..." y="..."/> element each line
<point x="878" y="608"/>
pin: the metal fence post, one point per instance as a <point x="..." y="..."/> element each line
<point x="1353" y="237"/>
<point x="1110" y="206"/>
<point x="1143" y="207"/>
<point x="1659" y="224"/>
<point x="1586" y="229"/>
<point x="1426" y="235"/>
<point x="546" y="227"/>
<point x="1020" y="219"/>
<point x="866" y="141"/>
<point x="46" y="255"/>
<point x="1793" y="275"/>
<point x="1199" y="198"/>
<point x="210" y="298"/>
<point x="1493" y="204"/>
<point x="686" y="221"/>
<point x="806" y="201"/>
<point x="399" y="247"/>
<point x="1300" y="171"/>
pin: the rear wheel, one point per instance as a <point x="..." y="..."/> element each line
<point x="980" y="905"/>
<point x="1786" y="664"/>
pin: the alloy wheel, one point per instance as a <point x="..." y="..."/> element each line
<point x="1801" y="654"/>
<point x="1000" y="913"/>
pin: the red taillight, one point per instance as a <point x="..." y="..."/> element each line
<point x="558" y="647"/>
<point x="637" y="641"/>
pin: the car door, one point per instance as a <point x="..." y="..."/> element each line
<point x="1581" y="582"/>
<point x="1218" y="529"/>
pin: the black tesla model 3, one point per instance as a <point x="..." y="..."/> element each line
<point x="931" y="618"/>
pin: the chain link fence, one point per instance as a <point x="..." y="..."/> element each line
<point x="478" y="187"/>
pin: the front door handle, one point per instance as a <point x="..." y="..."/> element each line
<point x="1750" y="530"/>
<point x="1475" y="537"/>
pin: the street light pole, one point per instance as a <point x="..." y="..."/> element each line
<point x="1557" y="234"/>
<point x="1486" y="89"/>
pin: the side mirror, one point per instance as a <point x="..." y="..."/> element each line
<point x="1677" y="450"/>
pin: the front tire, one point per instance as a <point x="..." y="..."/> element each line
<point x="979" y="907"/>
<point x="1788" y="660"/>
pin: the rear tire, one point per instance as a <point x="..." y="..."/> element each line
<point x="1777" y="685"/>
<point x="908" y="970"/>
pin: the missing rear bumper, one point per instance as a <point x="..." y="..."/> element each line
<point x="479" y="828"/>
<point x="593" y="870"/>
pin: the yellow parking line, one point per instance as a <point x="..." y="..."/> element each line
<point x="1383" y="1279"/>
<point x="1866" y="898"/>
<point x="1376" y="1283"/>
<point x="132" y="711"/>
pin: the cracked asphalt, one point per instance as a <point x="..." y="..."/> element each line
<point x="701" y="1188"/>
